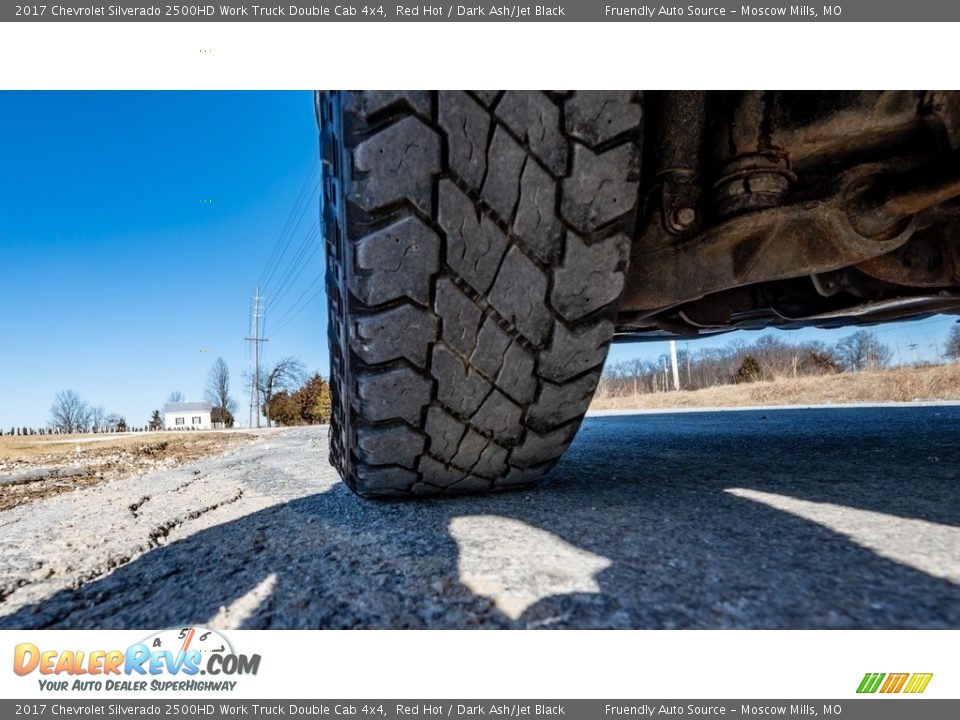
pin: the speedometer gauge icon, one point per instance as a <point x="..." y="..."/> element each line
<point x="182" y="640"/>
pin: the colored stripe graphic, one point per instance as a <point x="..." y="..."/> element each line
<point x="894" y="682"/>
<point x="870" y="682"/>
<point x="918" y="683"/>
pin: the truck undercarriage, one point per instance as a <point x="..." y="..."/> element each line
<point x="792" y="209"/>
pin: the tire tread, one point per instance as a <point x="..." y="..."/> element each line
<point x="477" y="246"/>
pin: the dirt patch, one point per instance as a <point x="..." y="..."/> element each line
<point x="907" y="384"/>
<point x="37" y="467"/>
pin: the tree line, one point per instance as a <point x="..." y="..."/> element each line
<point x="767" y="358"/>
<point x="288" y="396"/>
<point x="72" y="414"/>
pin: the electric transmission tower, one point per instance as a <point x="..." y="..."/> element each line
<point x="256" y="340"/>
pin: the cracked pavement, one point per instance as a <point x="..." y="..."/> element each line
<point x="816" y="518"/>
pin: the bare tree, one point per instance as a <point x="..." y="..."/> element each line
<point x="69" y="413"/>
<point x="98" y="417"/>
<point x="175" y="397"/>
<point x="708" y="367"/>
<point x="217" y="393"/>
<point x="287" y="374"/>
<point x="862" y="351"/>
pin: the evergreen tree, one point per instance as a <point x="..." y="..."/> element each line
<point x="749" y="370"/>
<point x="952" y="350"/>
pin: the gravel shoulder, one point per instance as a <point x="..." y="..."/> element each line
<point x="838" y="518"/>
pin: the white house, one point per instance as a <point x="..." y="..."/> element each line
<point x="187" y="416"/>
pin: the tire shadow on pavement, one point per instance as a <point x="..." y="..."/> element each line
<point x="649" y="522"/>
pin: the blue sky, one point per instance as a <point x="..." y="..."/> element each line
<point x="134" y="227"/>
<point x="116" y="278"/>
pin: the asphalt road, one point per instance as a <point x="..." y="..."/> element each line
<point x="826" y="518"/>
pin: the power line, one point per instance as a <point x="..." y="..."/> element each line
<point x="280" y="282"/>
<point x="301" y="309"/>
<point x="295" y="306"/>
<point x="289" y="228"/>
<point x="290" y="238"/>
<point x="296" y="267"/>
<point x="288" y="222"/>
<point x="287" y="277"/>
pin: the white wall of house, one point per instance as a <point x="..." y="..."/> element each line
<point x="190" y="420"/>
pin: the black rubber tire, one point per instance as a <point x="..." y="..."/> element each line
<point x="477" y="245"/>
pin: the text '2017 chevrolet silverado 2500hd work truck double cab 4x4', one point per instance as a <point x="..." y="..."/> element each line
<point x="484" y="248"/>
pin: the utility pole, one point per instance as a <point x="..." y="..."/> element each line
<point x="256" y="340"/>
<point x="673" y="361"/>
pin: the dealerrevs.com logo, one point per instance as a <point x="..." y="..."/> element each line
<point x="888" y="683"/>
<point x="169" y="660"/>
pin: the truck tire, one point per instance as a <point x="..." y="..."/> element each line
<point x="477" y="245"/>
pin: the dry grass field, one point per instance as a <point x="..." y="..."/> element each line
<point x="905" y="384"/>
<point x="40" y="465"/>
